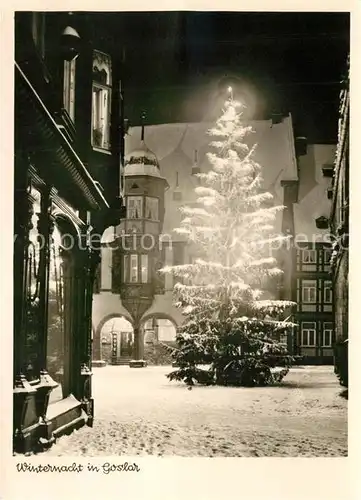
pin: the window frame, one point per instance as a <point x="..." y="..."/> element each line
<point x="308" y="330"/>
<point x="99" y="88"/>
<point x="153" y="199"/>
<point x="309" y="251"/>
<point x="131" y="268"/>
<point x="139" y="198"/>
<point x="69" y="82"/>
<point x="304" y="288"/>
<point x="141" y="260"/>
<point x="144" y="263"/>
<point x="327" y="286"/>
<point x="126" y="269"/>
<point x="329" y="329"/>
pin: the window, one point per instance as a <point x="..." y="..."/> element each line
<point x="151" y="208"/>
<point x="69" y="88"/>
<point x="134" y="207"/>
<point x="327" y="255"/>
<point x="308" y="334"/>
<point x="327" y="292"/>
<point x="125" y="273"/>
<point x="309" y="256"/>
<point x="134" y="268"/>
<point x="309" y="291"/>
<point x="327" y="335"/>
<point x="144" y="268"/>
<point x="38" y="31"/>
<point x="101" y="106"/>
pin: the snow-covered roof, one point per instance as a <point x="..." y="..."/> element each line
<point x="312" y="195"/>
<point x="141" y="161"/>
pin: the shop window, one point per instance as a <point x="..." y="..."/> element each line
<point x="152" y="208"/>
<point x="69" y="88"/>
<point x="101" y="105"/>
<point x="309" y="291"/>
<point x="309" y="256"/>
<point x="327" y="292"/>
<point x="33" y="312"/>
<point x="57" y="362"/>
<point x="327" y="335"/>
<point x="308" y="334"/>
<point x="60" y="329"/>
<point x="134" y="207"/>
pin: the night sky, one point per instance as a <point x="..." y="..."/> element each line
<point x="178" y="65"/>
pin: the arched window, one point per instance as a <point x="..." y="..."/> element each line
<point x="101" y="105"/>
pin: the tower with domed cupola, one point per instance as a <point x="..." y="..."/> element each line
<point x="138" y="253"/>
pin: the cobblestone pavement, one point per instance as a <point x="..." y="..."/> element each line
<point x="139" y="412"/>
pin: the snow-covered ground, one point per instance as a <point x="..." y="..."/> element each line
<point x="138" y="411"/>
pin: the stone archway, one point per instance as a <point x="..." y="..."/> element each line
<point x="117" y="339"/>
<point x="102" y="347"/>
<point x="159" y="334"/>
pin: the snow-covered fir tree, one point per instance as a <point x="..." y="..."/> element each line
<point x="231" y="334"/>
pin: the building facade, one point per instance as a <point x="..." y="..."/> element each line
<point x="68" y="147"/>
<point x="292" y="172"/>
<point x="312" y="288"/>
<point x="339" y="227"/>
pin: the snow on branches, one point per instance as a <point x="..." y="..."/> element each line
<point x="231" y="226"/>
<point x="233" y="247"/>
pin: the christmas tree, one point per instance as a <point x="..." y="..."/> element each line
<point x="231" y="334"/>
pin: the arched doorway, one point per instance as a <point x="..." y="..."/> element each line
<point x="159" y="333"/>
<point x="117" y="340"/>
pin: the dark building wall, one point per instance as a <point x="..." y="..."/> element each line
<point x="341" y="299"/>
<point x="339" y="226"/>
<point x="56" y="196"/>
<point x="339" y="218"/>
<point x="44" y="67"/>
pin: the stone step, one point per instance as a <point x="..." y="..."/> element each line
<point x="121" y="361"/>
<point x="98" y="363"/>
